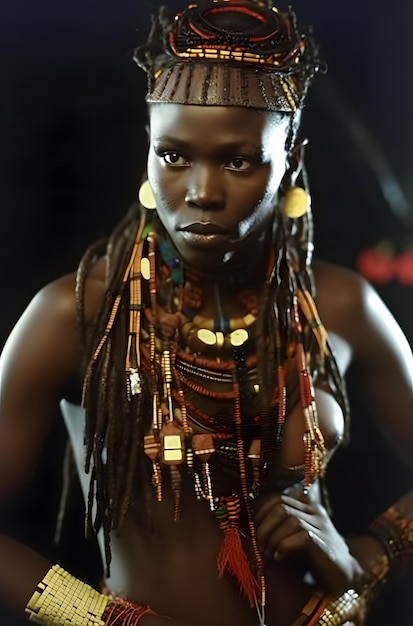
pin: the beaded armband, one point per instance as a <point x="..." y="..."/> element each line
<point x="395" y="532"/>
<point x="60" y="598"/>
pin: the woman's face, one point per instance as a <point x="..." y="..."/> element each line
<point x="215" y="172"/>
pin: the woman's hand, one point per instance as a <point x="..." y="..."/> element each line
<point x="288" y="525"/>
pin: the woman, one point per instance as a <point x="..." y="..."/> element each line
<point x="208" y="393"/>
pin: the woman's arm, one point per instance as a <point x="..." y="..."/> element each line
<point x="21" y="568"/>
<point x="352" y="310"/>
<point x="38" y="359"/>
<point x="363" y="330"/>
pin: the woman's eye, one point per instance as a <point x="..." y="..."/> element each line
<point x="174" y="158"/>
<point x="238" y="164"/>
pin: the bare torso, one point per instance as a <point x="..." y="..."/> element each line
<point x="172" y="565"/>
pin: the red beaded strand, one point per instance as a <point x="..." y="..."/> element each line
<point x="245" y="493"/>
<point x="121" y="611"/>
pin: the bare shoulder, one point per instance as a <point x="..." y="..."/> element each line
<point x="54" y="305"/>
<point x="57" y="300"/>
<point x="340" y="292"/>
<point x="40" y="361"/>
<point x="351" y="307"/>
<point x="46" y="337"/>
<point x="347" y="286"/>
<point x="354" y="311"/>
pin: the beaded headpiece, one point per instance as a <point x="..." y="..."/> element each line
<point x="225" y="52"/>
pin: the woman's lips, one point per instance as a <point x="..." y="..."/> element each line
<point x="205" y="234"/>
<point x="205" y="228"/>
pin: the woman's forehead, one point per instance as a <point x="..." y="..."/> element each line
<point x="218" y="130"/>
<point x="187" y="119"/>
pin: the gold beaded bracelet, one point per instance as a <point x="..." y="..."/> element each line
<point x="395" y="531"/>
<point x="60" y="598"/>
<point x="351" y="606"/>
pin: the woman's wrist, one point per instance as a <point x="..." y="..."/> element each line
<point x="389" y="540"/>
<point x="372" y="558"/>
<point x="394" y="529"/>
<point x="123" y="611"/>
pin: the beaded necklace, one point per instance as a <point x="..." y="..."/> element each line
<point x="163" y="301"/>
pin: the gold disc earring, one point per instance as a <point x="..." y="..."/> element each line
<point x="294" y="204"/>
<point x="146" y="197"/>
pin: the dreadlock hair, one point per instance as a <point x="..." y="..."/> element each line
<point x="117" y="422"/>
<point x="114" y="424"/>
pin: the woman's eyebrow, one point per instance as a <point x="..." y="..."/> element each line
<point x="222" y="146"/>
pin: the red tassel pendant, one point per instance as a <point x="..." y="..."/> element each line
<point x="232" y="558"/>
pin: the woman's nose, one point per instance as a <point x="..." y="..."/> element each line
<point x="205" y="189"/>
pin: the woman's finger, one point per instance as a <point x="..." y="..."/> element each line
<point x="269" y="503"/>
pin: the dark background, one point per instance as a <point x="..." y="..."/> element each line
<point x="72" y="148"/>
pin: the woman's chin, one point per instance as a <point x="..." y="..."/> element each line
<point x="207" y="260"/>
<point x="208" y="264"/>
